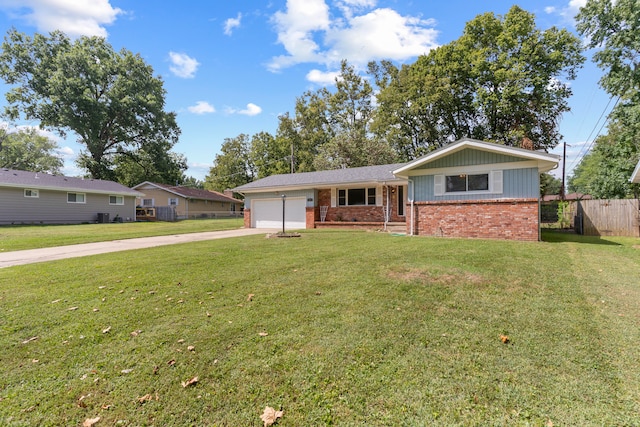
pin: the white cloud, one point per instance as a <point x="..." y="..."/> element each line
<point x="232" y="23"/>
<point x="66" y="153"/>
<point x="183" y="65"/>
<point x="75" y="18"/>
<point x="295" y="31"/>
<point x="323" y="78"/>
<point x="382" y="34"/>
<point x="308" y="35"/>
<point x="251" y="110"/>
<point x="569" y="12"/>
<point x="201" y="107"/>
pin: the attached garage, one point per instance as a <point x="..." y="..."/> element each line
<point x="267" y="213"/>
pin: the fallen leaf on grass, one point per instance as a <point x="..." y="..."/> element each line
<point x="171" y="362"/>
<point x="136" y="333"/>
<point x="106" y="330"/>
<point x="208" y="314"/>
<point x="270" y="416"/>
<point x="147" y="398"/>
<point x="504" y="339"/>
<point x="250" y="297"/>
<point x="90" y="422"/>
<point x="27" y="341"/>
<point x="189" y="382"/>
<point x="126" y="371"/>
<point x="106" y="407"/>
<point x="191" y="348"/>
<point x="56" y="301"/>
<point x="72" y="308"/>
<point x="263" y="334"/>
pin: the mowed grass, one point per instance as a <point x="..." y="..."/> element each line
<point x="19" y="237"/>
<point x="335" y="328"/>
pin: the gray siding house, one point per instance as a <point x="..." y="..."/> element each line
<point x="40" y="198"/>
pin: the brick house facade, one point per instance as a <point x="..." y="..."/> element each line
<point x="468" y="188"/>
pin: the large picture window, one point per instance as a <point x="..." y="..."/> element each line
<point x="476" y="183"/>
<point x="76" y="198"/>
<point x="464" y="182"/>
<point x="357" y="197"/>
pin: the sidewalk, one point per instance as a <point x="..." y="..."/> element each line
<point x="29" y="256"/>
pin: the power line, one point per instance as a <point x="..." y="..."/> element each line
<point x="583" y="152"/>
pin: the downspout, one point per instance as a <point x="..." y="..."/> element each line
<point x="411" y="226"/>
<point x="385" y="209"/>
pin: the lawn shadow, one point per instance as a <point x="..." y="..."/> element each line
<point x="569" y="236"/>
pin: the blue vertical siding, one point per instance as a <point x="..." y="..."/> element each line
<point x="517" y="183"/>
<point x="470" y="157"/>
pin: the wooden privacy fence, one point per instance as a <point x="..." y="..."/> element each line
<point x="608" y="217"/>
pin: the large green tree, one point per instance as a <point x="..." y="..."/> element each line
<point x="503" y="80"/>
<point x="27" y="150"/>
<point x="110" y="100"/>
<point x="613" y="28"/>
<point x="232" y="167"/>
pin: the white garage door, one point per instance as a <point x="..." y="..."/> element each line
<point x="268" y="213"/>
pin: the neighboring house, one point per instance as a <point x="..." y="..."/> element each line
<point x="188" y="202"/>
<point x="468" y="188"/>
<point x="40" y="198"/>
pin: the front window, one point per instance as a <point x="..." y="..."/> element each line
<point x="465" y="182"/>
<point x="31" y="193"/>
<point x="76" y="198"/>
<point x="357" y="197"/>
<point x="173" y="201"/>
<point x="116" y="200"/>
<point x="147" y="202"/>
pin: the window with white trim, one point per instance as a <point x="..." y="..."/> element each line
<point x="357" y="196"/>
<point x="76" y="198"/>
<point x="467" y="182"/>
<point x="147" y="202"/>
<point x="173" y="201"/>
<point x="31" y="193"/>
<point x="477" y="183"/>
<point x="116" y="200"/>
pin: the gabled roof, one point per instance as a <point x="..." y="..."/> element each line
<point x="189" y="193"/>
<point x="545" y="161"/>
<point x="635" y="176"/>
<point x="44" y="181"/>
<point x="362" y="175"/>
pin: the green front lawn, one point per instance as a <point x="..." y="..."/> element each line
<point x="18" y="237"/>
<point x="334" y="327"/>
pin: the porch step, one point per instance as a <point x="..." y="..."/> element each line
<point x="396" y="227"/>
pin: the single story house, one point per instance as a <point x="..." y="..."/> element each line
<point x="41" y="198"/>
<point x="189" y="203"/>
<point x="468" y="188"/>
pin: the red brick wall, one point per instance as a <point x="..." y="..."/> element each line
<point x="515" y="219"/>
<point x="247" y="218"/>
<point x="360" y="213"/>
<point x="310" y="216"/>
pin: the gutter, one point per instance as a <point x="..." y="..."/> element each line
<point x="411" y="225"/>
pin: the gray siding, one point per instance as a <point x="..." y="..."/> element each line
<point x="309" y="195"/>
<point x="517" y="183"/>
<point x="470" y="157"/>
<point x="51" y="207"/>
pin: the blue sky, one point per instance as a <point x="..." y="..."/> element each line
<point x="232" y="67"/>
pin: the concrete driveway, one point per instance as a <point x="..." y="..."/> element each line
<point x="29" y="256"/>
